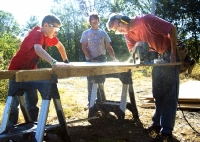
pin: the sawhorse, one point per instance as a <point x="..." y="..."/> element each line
<point x="118" y="107"/>
<point x="48" y="90"/>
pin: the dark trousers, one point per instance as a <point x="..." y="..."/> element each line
<point x="165" y="89"/>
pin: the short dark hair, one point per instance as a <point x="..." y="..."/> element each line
<point x="51" y="19"/>
<point x="95" y="15"/>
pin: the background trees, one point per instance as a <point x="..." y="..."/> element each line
<point x="9" y="42"/>
<point x="186" y="16"/>
<point x="73" y="13"/>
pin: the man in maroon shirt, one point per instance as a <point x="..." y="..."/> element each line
<point x="32" y="49"/>
<point x="161" y="36"/>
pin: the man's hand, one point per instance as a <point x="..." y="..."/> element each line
<point x="115" y="60"/>
<point x="172" y="58"/>
<point x="61" y="64"/>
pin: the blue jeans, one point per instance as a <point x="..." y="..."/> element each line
<point x="98" y="78"/>
<point x="31" y="99"/>
<point x="165" y="89"/>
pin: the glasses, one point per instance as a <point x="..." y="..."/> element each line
<point x="116" y="30"/>
<point x="55" y="27"/>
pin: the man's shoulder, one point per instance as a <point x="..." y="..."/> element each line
<point x="35" y="31"/>
<point x="86" y="32"/>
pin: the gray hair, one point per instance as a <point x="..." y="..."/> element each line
<point x="112" y="18"/>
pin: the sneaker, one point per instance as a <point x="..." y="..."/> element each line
<point x="153" y="130"/>
<point x="163" y="137"/>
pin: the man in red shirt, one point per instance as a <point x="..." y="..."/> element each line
<point x="32" y="49"/>
<point x="161" y="36"/>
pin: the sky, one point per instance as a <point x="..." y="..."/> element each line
<point x="23" y="9"/>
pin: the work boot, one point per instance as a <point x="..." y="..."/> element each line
<point x="163" y="137"/>
<point x="153" y="130"/>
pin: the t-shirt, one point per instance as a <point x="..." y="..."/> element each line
<point x="96" y="40"/>
<point x="26" y="58"/>
<point x="152" y="30"/>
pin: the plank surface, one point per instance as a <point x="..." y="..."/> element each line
<point x="33" y="75"/>
<point x="81" y="69"/>
<point x="189" y="96"/>
<point x="7" y="74"/>
<point x="187" y="91"/>
<point x="182" y="105"/>
<point x="94" y="68"/>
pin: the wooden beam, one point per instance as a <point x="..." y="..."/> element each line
<point x="182" y="105"/>
<point x="89" y="69"/>
<point x="7" y="74"/>
<point x="33" y="75"/>
<point x="80" y="69"/>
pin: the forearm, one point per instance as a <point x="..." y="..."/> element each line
<point x="173" y="39"/>
<point x="85" y="50"/>
<point x="111" y="53"/>
<point x="87" y="53"/>
<point x="62" y="51"/>
<point x="43" y="54"/>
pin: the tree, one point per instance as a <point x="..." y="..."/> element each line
<point x="9" y="42"/>
<point x="33" y="21"/>
<point x="185" y="15"/>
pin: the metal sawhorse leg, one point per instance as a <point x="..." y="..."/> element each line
<point x="48" y="90"/>
<point x="117" y="107"/>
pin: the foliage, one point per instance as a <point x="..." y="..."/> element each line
<point x="195" y="73"/>
<point x="33" y="21"/>
<point x="185" y="15"/>
<point x="9" y="43"/>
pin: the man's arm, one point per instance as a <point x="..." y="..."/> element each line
<point x="85" y="49"/>
<point x="111" y="51"/>
<point x="42" y="53"/>
<point x="62" y="51"/>
<point x="173" y="39"/>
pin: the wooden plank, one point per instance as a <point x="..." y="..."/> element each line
<point x="91" y="68"/>
<point x="7" y="74"/>
<point x="188" y="92"/>
<point x="185" y="105"/>
<point x="179" y="100"/>
<point x="80" y="69"/>
<point x="33" y="75"/>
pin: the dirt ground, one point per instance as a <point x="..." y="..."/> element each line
<point x="108" y="129"/>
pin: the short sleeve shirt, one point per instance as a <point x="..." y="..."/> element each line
<point x="152" y="30"/>
<point x="26" y="58"/>
<point x="96" y="40"/>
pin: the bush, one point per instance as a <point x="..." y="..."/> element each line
<point x="3" y="90"/>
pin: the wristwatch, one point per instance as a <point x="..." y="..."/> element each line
<point x="66" y="61"/>
<point x="53" y="61"/>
